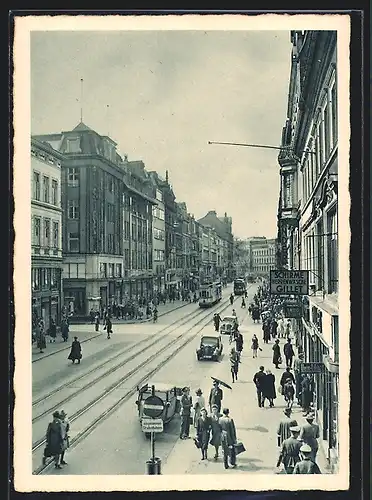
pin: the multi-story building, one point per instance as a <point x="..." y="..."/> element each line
<point x="308" y="213"/>
<point x="263" y="257"/>
<point x="223" y="229"/>
<point x="107" y="222"/>
<point x="172" y="279"/>
<point x="158" y="234"/>
<point x="46" y="242"/>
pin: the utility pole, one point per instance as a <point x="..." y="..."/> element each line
<point x="81" y="99"/>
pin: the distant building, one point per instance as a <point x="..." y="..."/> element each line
<point x="263" y="257"/>
<point x="158" y="234"/>
<point x="46" y="230"/>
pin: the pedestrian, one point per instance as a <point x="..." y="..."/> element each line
<point x="309" y="435"/>
<point x="246" y="294"/>
<point x="266" y="331"/>
<point x="234" y="313"/>
<point x="306" y="465"/>
<point x="277" y="358"/>
<point x="65" y="424"/>
<point x="255" y="345"/>
<point x="64" y="331"/>
<point x="228" y="438"/>
<point x="288" y="352"/>
<point x="269" y="391"/>
<point x="216" y="429"/>
<point x="91" y="314"/>
<point x="281" y="327"/>
<point x="234" y="364"/>
<point x="97" y="322"/>
<point x="290" y="452"/>
<point x="239" y="342"/>
<point x="203" y="430"/>
<point x="54" y="441"/>
<point x="186" y="405"/>
<point x="231" y="299"/>
<point x="40" y="338"/>
<point x="216" y="321"/>
<point x="273" y="327"/>
<point x="288" y="421"/>
<point x="297" y="374"/>
<point x="306" y="394"/>
<point x="259" y="381"/>
<point x="289" y="392"/>
<point x="198" y="405"/>
<point x="215" y="396"/>
<point x="243" y="303"/>
<point x="52" y="331"/>
<point x="287" y="375"/>
<point x="256" y="314"/>
<point x="108" y="326"/>
<point x="75" y="353"/>
<point x="287" y="328"/>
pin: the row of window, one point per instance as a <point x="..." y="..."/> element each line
<point x="265" y="260"/>
<point x="158" y="213"/>
<point x="45" y="278"/>
<point x="45" y="232"/>
<point x="323" y="142"/>
<point x="159" y="255"/>
<point x="45" y="189"/>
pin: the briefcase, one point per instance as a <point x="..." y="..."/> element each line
<point x="239" y="448"/>
<point x="197" y="442"/>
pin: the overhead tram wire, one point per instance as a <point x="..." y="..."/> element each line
<point x="283" y="148"/>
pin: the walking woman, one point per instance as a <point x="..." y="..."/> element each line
<point x="255" y="345"/>
<point x="54" y="440"/>
<point x="269" y="391"/>
<point x="234" y="363"/>
<point x="40" y="337"/>
<point x="108" y="326"/>
<point x="216" y="429"/>
<point x="277" y="358"/>
<point x="203" y="429"/>
<point x="198" y="405"/>
<point x="52" y="331"/>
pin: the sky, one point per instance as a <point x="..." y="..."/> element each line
<point x="162" y="95"/>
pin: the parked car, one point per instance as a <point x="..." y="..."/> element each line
<point x="210" y="347"/>
<point x="228" y="324"/>
<point x="168" y="393"/>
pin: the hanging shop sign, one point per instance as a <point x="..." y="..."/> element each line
<point x="292" y="311"/>
<point x="286" y="282"/>
<point x="312" y="367"/>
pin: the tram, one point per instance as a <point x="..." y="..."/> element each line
<point x="210" y="294"/>
<point x="239" y="286"/>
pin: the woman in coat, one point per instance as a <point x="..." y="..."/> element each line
<point x="54" y="440"/>
<point x="40" y="338"/>
<point x="276" y="354"/>
<point x="269" y="391"/>
<point x="203" y="431"/>
<point x="216" y="429"/>
<point x="255" y="345"/>
<point x="234" y="364"/>
<point x="199" y="404"/>
<point x="65" y="330"/>
<point x="108" y="326"/>
<point x="75" y="351"/>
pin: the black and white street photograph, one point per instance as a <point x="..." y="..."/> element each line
<point x="182" y="216"/>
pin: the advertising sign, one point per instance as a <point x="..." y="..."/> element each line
<point x="292" y="311"/>
<point x="312" y="367"/>
<point x="152" y="425"/>
<point x="287" y="282"/>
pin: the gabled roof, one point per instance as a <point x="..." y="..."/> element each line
<point x="81" y="127"/>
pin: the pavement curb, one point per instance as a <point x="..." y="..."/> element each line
<point x="64" y="348"/>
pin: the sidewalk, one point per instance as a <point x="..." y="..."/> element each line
<point x="256" y="427"/>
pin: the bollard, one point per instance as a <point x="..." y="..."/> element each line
<point x="153" y="466"/>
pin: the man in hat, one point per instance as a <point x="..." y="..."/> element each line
<point x="290" y="452"/>
<point x="186" y="405"/>
<point x="54" y="440"/>
<point x="309" y="435"/>
<point x="297" y="374"/>
<point x="306" y="465"/>
<point x="288" y="352"/>
<point x="259" y="382"/>
<point x="228" y="438"/>
<point x="215" y="396"/>
<point x="198" y="405"/>
<point x="65" y="425"/>
<point x="284" y="426"/>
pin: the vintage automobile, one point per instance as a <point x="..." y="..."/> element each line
<point x="227" y="324"/>
<point x="210" y="347"/>
<point x="168" y="393"/>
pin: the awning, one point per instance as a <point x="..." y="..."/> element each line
<point x="326" y="305"/>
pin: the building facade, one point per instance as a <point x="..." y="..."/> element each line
<point x="159" y="235"/>
<point x="46" y="230"/>
<point x="263" y="257"/>
<point x="308" y="213"/>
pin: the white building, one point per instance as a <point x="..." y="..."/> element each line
<point x="46" y="230"/>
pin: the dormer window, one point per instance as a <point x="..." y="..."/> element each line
<point x="73" y="145"/>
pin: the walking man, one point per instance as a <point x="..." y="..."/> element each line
<point x="108" y="327"/>
<point x="290" y="452"/>
<point x="288" y="352"/>
<point x="309" y="435"/>
<point x="54" y="440"/>
<point x="65" y="424"/>
<point x="215" y="396"/>
<point x="284" y="426"/>
<point x="228" y="438"/>
<point x="75" y="351"/>
<point x="259" y="381"/>
<point x="306" y="464"/>
<point x="234" y="364"/>
<point x="186" y="405"/>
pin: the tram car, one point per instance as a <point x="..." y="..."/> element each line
<point x="210" y="294"/>
<point x="239" y="286"/>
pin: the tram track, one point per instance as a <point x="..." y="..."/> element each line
<point x="176" y="324"/>
<point x="162" y="353"/>
<point x="161" y="357"/>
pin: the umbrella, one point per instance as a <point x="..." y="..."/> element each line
<point x="221" y="382"/>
